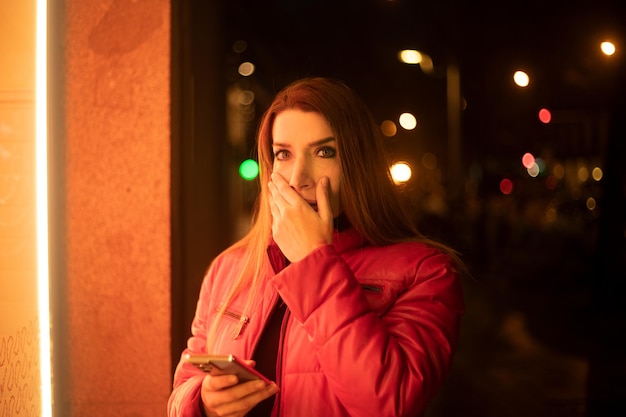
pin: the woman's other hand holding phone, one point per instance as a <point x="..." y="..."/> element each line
<point x="223" y="395"/>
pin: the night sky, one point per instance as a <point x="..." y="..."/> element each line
<point x="556" y="42"/>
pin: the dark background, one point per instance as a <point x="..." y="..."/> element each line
<point x="545" y="324"/>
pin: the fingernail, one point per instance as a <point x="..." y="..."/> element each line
<point x="273" y="388"/>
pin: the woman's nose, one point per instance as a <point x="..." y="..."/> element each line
<point x="301" y="176"/>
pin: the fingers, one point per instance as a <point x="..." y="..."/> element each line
<point x="273" y="207"/>
<point x="283" y="196"/>
<point x="277" y="200"/>
<point x="282" y="192"/>
<point x="323" y="200"/>
<point x="218" y="382"/>
<point x="297" y="227"/>
<point x="222" y="396"/>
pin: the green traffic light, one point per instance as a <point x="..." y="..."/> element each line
<point x="249" y="169"/>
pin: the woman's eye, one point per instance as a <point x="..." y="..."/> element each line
<point x="326" y="152"/>
<point x="281" y="155"/>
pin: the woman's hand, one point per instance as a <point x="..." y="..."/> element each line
<point x="296" y="227"/>
<point x="223" y="396"/>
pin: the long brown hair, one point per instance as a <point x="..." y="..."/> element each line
<point x="369" y="197"/>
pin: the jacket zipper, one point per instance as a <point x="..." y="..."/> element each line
<point x="241" y="319"/>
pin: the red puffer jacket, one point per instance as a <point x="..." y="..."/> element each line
<point x="370" y="330"/>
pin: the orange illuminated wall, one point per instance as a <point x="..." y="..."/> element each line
<point x="20" y="393"/>
<point x="112" y="286"/>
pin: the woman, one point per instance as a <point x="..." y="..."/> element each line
<point x="333" y="293"/>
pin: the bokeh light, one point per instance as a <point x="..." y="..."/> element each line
<point x="410" y="56"/>
<point x="249" y="169"/>
<point x="597" y="173"/>
<point x="246" y="97"/>
<point x="246" y="69"/>
<point x="591" y="203"/>
<point x="607" y="48"/>
<point x="414" y="57"/>
<point x="545" y="116"/>
<point x="521" y="78"/>
<point x="388" y="128"/>
<point x="407" y="121"/>
<point x="558" y="171"/>
<point x="533" y="170"/>
<point x="506" y="186"/>
<point x="528" y="160"/>
<point x="400" y="172"/>
<point x="551" y="214"/>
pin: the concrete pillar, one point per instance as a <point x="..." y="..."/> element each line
<point x="110" y="143"/>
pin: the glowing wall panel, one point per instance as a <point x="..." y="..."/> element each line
<point x="20" y="393"/>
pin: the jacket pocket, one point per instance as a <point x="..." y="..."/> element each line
<point x="377" y="295"/>
<point x="372" y="288"/>
<point x="240" y="321"/>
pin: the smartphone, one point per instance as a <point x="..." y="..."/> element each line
<point x="225" y="364"/>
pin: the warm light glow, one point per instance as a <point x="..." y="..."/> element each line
<point x="583" y="174"/>
<point x="407" y="121"/>
<point x="608" y="48"/>
<point x="388" y="128"/>
<point x="534" y="166"/>
<point x="558" y="171"/>
<point x="246" y="97"/>
<point x="521" y="78"/>
<point x="533" y="170"/>
<point x="528" y="160"/>
<point x="506" y="186"/>
<point x="413" y="57"/>
<point x="597" y="173"/>
<point x="41" y="145"/>
<point x="246" y="69"/>
<point x="410" y="56"/>
<point x="400" y="172"/>
<point x="551" y="214"/>
<point x="591" y="203"/>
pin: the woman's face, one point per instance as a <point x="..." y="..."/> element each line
<point x="305" y="150"/>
